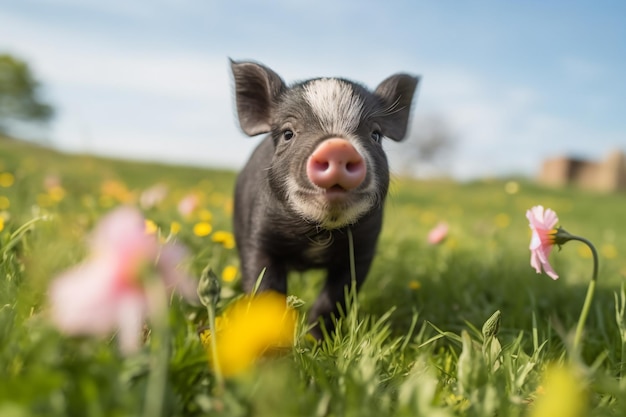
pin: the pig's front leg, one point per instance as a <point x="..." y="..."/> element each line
<point x="255" y="263"/>
<point x="332" y="298"/>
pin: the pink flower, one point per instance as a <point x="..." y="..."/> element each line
<point x="153" y="196"/>
<point x="188" y="205"/>
<point x="542" y="224"/>
<point x="438" y="233"/>
<point x="107" y="292"/>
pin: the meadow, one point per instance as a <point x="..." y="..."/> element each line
<point x="413" y="344"/>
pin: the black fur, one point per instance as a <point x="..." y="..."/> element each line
<point x="271" y="234"/>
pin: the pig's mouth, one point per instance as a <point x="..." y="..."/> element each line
<point x="337" y="196"/>
<point x="332" y="207"/>
<point x="336" y="191"/>
<point x="338" y="207"/>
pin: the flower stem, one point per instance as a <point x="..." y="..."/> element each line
<point x="159" y="353"/>
<point x="209" y="292"/>
<point x="590" y="291"/>
<point x="219" y="378"/>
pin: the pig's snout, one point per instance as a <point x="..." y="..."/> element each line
<point x="336" y="165"/>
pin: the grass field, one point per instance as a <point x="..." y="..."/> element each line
<point x="411" y="346"/>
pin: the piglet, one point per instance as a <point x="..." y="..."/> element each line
<point x="320" y="172"/>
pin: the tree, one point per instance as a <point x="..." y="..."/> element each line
<point x="20" y="94"/>
<point x="430" y="147"/>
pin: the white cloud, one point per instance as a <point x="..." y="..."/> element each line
<point x="85" y="62"/>
<point x="501" y="129"/>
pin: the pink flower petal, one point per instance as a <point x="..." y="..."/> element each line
<point x="81" y="299"/>
<point x="175" y="280"/>
<point x="106" y="292"/>
<point x="542" y="223"/>
<point x="438" y="233"/>
<point x="130" y="311"/>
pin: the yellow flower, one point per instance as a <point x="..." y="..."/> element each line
<point x="584" y="252"/>
<point x="225" y="238"/>
<point x="561" y="394"/>
<point x="229" y="273"/>
<point x="205" y="215"/>
<point x="4" y="202"/>
<point x="116" y="190"/>
<point x="6" y="179"/>
<point x="1" y="223"/>
<point x="174" y="228"/>
<point x="428" y="217"/>
<point x="609" y="251"/>
<point x="228" y="206"/>
<point x="502" y="220"/>
<point x="56" y="193"/>
<point x="415" y="285"/>
<point x="151" y="227"/>
<point x="511" y="187"/>
<point x="205" y="336"/>
<point x="249" y="328"/>
<point x="451" y="243"/>
<point x="202" y="229"/>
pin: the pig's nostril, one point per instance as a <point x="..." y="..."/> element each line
<point x="354" y="166"/>
<point x="321" y="165"/>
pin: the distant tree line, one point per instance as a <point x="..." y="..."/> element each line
<point x="20" y="95"/>
<point x="429" y="149"/>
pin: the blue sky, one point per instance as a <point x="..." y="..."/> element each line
<point x="514" y="81"/>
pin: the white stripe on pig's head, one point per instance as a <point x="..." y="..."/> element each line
<point x="335" y="104"/>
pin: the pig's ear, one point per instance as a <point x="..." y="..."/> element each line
<point x="396" y="93"/>
<point x="256" y="88"/>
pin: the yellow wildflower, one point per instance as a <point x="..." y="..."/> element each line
<point x="584" y="252"/>
<point x="511" y="187"/>
<point x="609" y="251"/>
<point x="174" y="228"/>
<point x="1" y="223"/>
<point x="202" y="229"/>
<point x="428" y="217"/>
<point x="205" y="336"/>
<point x="6" y="179"/>
<point x="415" y="285"/>
<point x="451" y="243"/>
<point x="151" y="227"/>
<point x="56" y="193"/>
<point x="229" y="273"/>
<point x="205" y="215"/>
<point x="250" y="327"/>
<point x="4" y="202"/>
<point x="217" y="199"/>
<point x="116" y="190"/>
<point x="225" y="238"/>
<point x="228" y="206"/>
<point x="502" y="220"/>
<point x="561" y="394"/>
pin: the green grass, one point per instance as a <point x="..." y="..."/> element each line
<point x="411" y="346"/>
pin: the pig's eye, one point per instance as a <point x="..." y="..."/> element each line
<point x="288" y="134"/>
<point x="376" y="136"/>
